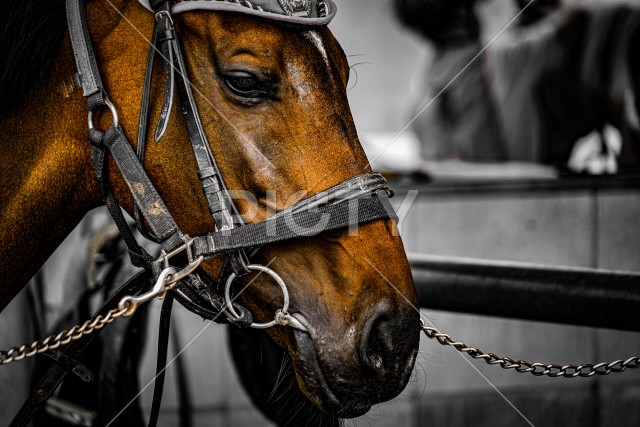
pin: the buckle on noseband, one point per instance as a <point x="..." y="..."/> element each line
<point x="193" y="263"/>
<point x="187" y="247"/>
<point x="281" y="317"/>
<point x="167" y="279"/>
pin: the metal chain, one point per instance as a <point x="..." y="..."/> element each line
<point x="52" y="342"/>
<point x="126" y="307"/>
<point x="537" y="369"/>
<point x="63" y="338"/>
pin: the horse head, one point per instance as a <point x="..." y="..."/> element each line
<point x="272" y="101"/>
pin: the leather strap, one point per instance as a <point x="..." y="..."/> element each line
<point x="221" y="206"/>
<point x="161" y="361"/>
<point x="167" y="39"/>
<point x="185" y="407"/>
<point x="335" y="208"/>
<point x="138" y="255"/>
<point x="143" y="126"/>
<point x="144" y="192"/>
<point x="213" y="186"/>
<point x="70" y="365"/>
<point x="293" y="225"/>
<point x="88" y="73"/>
<point x="164" y="333"/>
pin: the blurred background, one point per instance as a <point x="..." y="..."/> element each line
<point x="451" y="107"/>
<point x="530" y="113"/>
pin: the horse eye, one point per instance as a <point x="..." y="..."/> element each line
<point x="244" y="85"/>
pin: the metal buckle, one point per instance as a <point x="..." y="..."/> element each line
<point x="184" y="248"/>
<point x="190" y="268"/>
<point x="167" y="279"/>
<point x="164" y="13"/>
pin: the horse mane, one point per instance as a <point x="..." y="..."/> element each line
<point x="30" y="33"/>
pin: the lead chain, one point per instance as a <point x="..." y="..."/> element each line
<point x="52" y="342"/>
<point x="537" y="369"/>
<point x="126" y="307"/>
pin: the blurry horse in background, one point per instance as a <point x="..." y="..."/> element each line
<point x="563" y="73"/>
<point x="273" y="103"/>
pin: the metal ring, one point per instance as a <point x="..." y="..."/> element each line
<point x="112" y="108"/>
<point x="229" y="304"/>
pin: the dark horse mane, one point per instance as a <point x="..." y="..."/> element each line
<point x="30" y="34"/>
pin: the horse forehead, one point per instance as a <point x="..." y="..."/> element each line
<point x="221" y="26"/>
<point x="234" y="30"/>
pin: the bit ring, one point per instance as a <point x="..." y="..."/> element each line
<point x="230" y="311"/>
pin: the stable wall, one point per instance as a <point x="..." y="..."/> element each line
<point x="577" y="228"/>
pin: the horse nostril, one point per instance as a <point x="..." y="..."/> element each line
<point x="378" y="346"/>
<point x="387" y="349"/>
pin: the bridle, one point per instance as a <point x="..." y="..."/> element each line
<point x="357" y="200"/>
<point x="175" y="273"/>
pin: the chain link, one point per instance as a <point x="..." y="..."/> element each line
<point x="537" y="369"/>
<point x="126" y="307"/>
<point x="52" y="342"/>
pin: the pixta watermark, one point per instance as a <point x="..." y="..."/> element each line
<point x="254" y="209"/>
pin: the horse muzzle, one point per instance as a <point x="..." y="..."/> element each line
<point x="346" y="375"/>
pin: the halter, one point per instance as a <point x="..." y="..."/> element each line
<point x="357" y="200"/>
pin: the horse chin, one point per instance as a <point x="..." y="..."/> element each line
<point x="315" y="385"/>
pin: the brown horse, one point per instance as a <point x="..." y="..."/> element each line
<point x="363" y="335"/>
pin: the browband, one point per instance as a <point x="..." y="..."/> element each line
<point x="315" y="13"/>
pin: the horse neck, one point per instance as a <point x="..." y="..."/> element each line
<point x="47" y="185"/>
